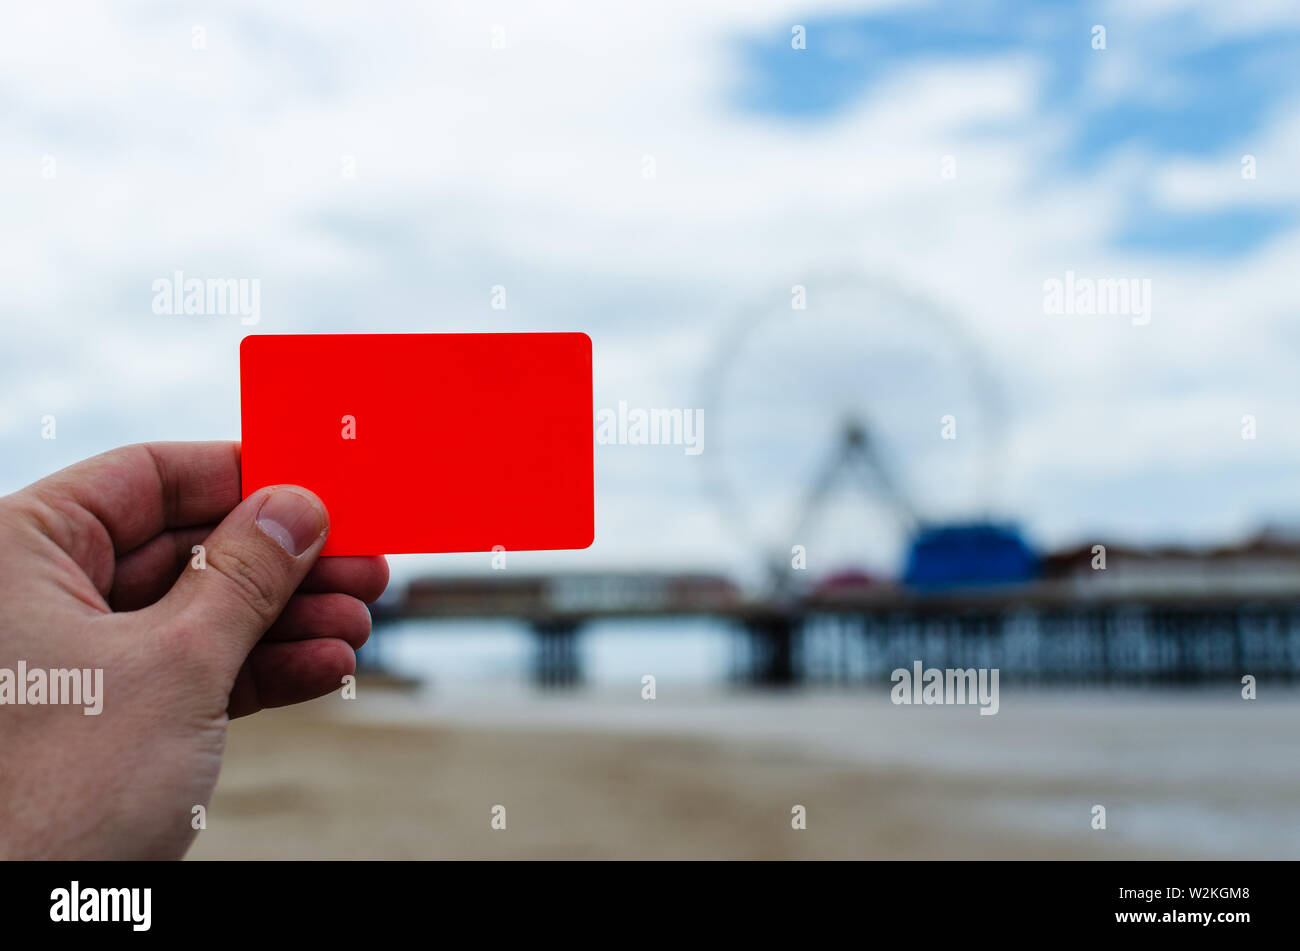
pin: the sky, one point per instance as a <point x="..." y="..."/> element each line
<point x="663" y="177"/>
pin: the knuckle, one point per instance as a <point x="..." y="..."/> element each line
<point x="253" y="578"/>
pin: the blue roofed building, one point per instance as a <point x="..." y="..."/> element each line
<point x="969" y="555"/>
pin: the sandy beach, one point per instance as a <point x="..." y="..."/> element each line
<point x="402" y="778"/>
<point x="301" y="786"/>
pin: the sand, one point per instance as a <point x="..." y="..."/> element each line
<point x="306" y="783"/>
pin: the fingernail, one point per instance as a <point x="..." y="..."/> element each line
<point x="292" y="519"/>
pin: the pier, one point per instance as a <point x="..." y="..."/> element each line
<point x="1058" y="631"/>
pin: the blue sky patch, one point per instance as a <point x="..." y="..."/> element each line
<point x="1190" y="94"/>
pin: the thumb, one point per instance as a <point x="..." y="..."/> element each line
<point x="255" y="559"/>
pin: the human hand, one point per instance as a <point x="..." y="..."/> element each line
<point x="96" y="573"/>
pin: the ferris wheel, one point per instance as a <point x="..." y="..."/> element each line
<point x="847" y="383"/>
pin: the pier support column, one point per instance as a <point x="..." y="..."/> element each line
<point x="555" y="657"/>
<point x="772" y="651"/>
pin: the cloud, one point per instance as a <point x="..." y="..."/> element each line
<point x="523" y="166"/>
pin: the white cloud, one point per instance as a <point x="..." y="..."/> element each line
<point x="522" y="167"/>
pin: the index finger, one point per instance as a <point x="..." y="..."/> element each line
<point x="139" y="491"/>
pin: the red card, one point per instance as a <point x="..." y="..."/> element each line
<point x="426" y="442"/>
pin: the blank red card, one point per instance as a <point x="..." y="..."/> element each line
<point x="426" y="442"/>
